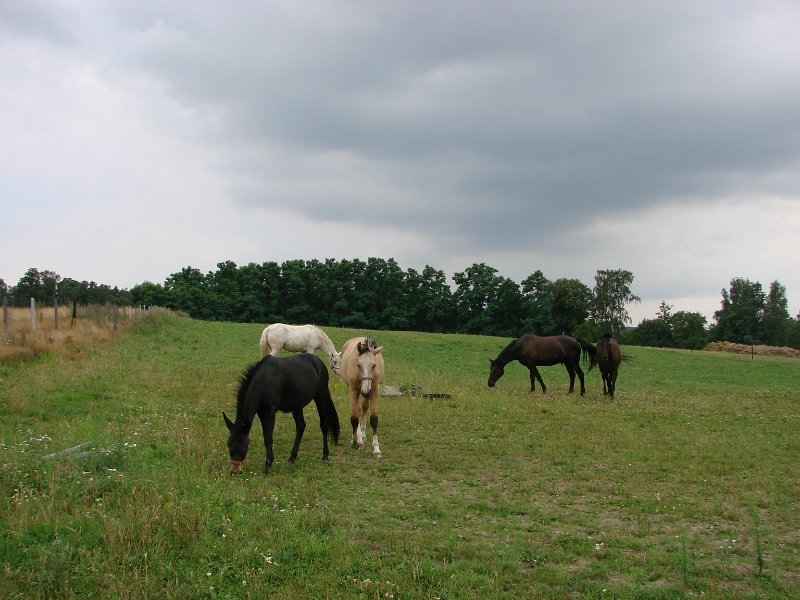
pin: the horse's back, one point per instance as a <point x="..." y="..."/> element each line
<point x="548" y="349"/>
<point x="288" y="382"/>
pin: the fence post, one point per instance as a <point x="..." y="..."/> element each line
<point x="5" y="313"/>
<point x="33" y="314"/>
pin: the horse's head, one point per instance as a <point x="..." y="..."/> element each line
<point x="336" y="363"/>
<point x="495" y="372"/>
<point x="366" y="363"/>
<point x="238" y="443"/>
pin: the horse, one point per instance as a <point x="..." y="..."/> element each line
<point x="298" y="338"/>
<point x="533" y="350"/>
<point x="362" y="372"/>
<point x="286" y="384"/>
<point x="609" y="356"/>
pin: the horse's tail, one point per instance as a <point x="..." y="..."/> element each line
<point x="263" y="343"/>
<point x="332" y="417"/>
<point x="588" y="349"/>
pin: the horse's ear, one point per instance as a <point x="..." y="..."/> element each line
<point x="377" y="350"/>
<point x="227" y="422"/>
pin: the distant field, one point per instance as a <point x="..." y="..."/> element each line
<point x="686" y="485"/>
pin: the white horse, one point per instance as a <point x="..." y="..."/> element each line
<point x="298" y="338"/>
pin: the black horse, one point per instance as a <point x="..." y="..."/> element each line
<point x="286" y="384"/>
<point x="533" y="350"/>
<point x="609" y="356"/>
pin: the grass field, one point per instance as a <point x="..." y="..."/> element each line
<point x="687" y="485"/>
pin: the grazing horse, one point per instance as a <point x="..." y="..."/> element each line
<point x="609" y="356"/>
<point x="286" y="384"/>
<point x="362" y="372"/>
<point x="533" y="350"/>
<point x="298" y="338"/>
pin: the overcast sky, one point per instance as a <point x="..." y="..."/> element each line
<point x="141" y="137"/>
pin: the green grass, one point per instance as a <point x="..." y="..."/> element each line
<point x="687" y="485"/>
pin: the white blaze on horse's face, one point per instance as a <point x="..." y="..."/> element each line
<point x="366" y="368"/>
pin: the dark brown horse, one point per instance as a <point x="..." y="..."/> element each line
<point x="609" y="356"/>
<point x="534" y="351"/>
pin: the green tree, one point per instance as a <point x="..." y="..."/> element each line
<point x="612" y="291"/>
<point x="431" y="301"/>
<point x="775" y="321"/>
<point x="689" y="330"/>
<point x="537" y="305"/>
<point x="148" y="294"/>
<point x="739" y="318"/>
<point x="486" y="302"/>
<point x="653" y="332"/>
<point x="188" y="291"/>
<point x="29" y="286"/>
<point x="571" y="302"/>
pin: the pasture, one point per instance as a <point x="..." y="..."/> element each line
<point x="115" y="477"/>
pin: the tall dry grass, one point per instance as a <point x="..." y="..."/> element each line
<point x="22" y="339"/>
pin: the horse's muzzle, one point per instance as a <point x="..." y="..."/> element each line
<point x="237" y="466"/>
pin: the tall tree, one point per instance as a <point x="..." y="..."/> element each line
<point x="612" y="291"/>
<point x="431" y="301"/>
<point x="775" y="321"/>
<point x="739" y="318"/>
<point x="478" y="288"/>
<point x="188" y="291"/>
<point x="29" y="286"/>
<point x="537" y="305"/>
<point x="572" y="301"/>
<point x="689" y="330"/>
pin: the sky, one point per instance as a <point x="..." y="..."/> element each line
<point x="659" y="137"/>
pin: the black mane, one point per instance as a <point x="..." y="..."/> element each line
<point x="244" y="383"/>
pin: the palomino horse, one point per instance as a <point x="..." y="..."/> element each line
<point x="298" y="338"/>
<point x="286" y="384"/>
<point x="362" y="372"/>
<point x="609" y="356"/>
<point x="533" y="351"/>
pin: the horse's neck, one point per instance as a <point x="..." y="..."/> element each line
<point x="509" y="353"/>
<point x="325" y="342"/>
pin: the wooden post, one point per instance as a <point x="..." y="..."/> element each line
<point x="5" y="313"/>
<point x="74" y="313"/>
<point x="33" y="314"/>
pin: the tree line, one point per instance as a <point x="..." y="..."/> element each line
<point x="377" y="294"/>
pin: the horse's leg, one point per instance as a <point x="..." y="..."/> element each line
<point x="579" y="371"/>
<point x="535" y="376"/>
<point x="354" y="420"/>
<point x="612" y="383"/>
<point x="362" y="423"/>
<point x="299" y="428"/>
<point x="373" y="421"/>
<point x="571" y="372"/>
<point x="268" y="425"/>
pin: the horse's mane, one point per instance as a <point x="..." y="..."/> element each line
<point x="507" y="354"/>
<point x="367" y="344"/>
<point x="244" y="383"/>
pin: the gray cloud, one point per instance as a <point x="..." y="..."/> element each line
<point x="513" y="132"/>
